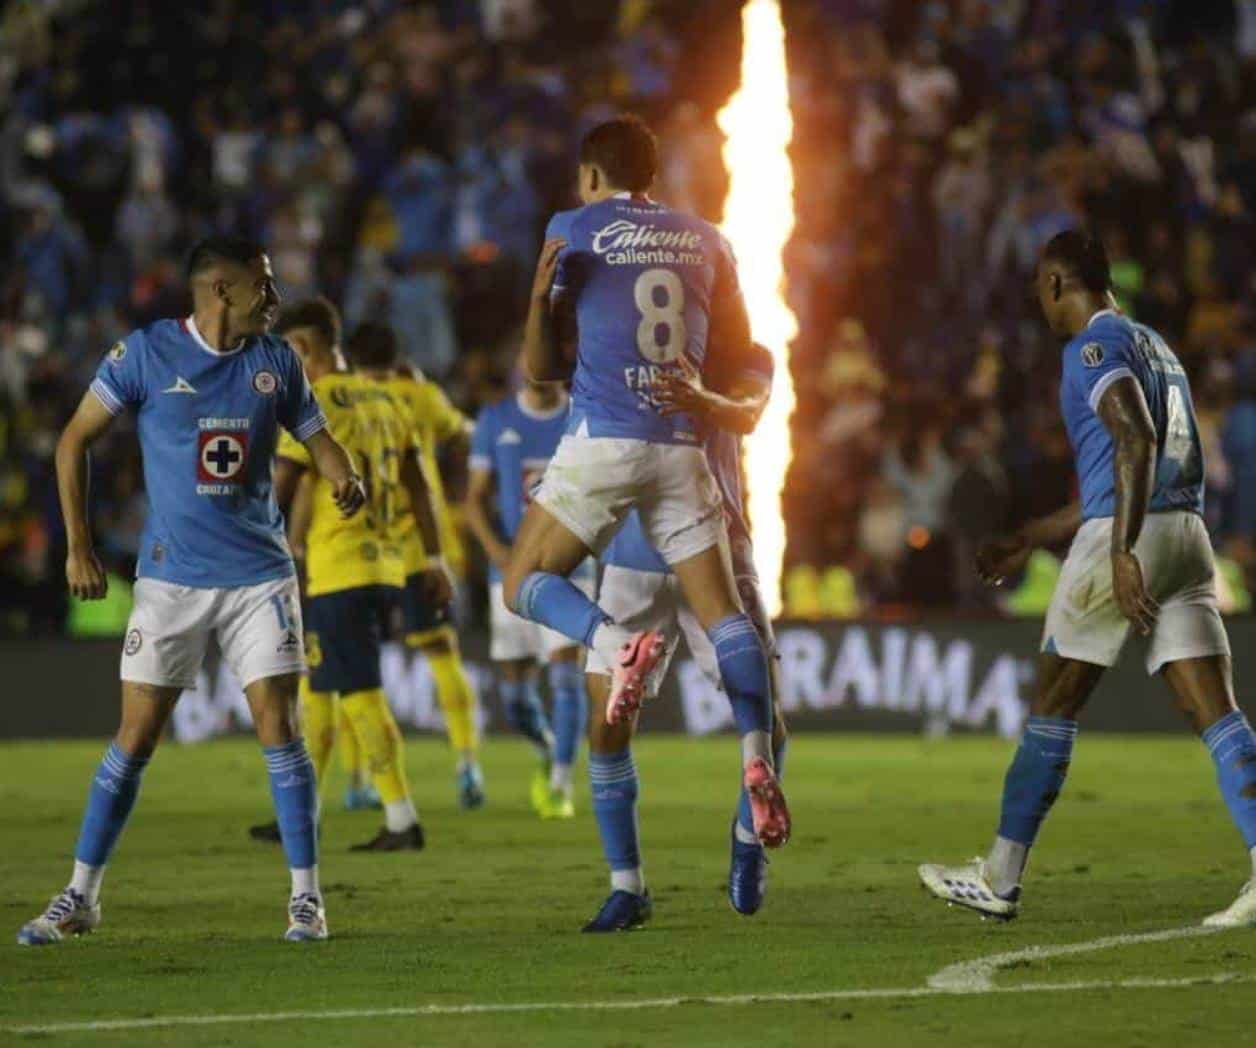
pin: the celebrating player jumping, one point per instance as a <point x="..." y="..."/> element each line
<point x="210" y="393"/>
<point x="1140" y="556"/>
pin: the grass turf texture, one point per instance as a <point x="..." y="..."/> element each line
<point x="490" y="913"/>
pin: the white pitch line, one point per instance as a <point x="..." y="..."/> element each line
<point x="977" y="976"/>
<point x="429" y="1010"/>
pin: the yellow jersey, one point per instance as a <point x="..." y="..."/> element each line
<point x="366" y="549"/>
<point x="435" y="421"/>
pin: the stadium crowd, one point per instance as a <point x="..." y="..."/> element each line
<point x="402" y="158"/>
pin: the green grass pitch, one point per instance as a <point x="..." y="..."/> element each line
<point x="489" y="914"/>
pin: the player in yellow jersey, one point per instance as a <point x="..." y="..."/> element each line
<point x="354" y="574"/>
<point x="428" y="622"/>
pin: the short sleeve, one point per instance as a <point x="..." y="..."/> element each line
<point x="298" y="409"/>
<point x="482" y="442"/>
<point x="119" y="381"/>
<point x="1095" y="360"/>
<point x="567" y="278"/>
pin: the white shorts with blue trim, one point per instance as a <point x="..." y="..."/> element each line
<point x="1084" y="622"/>
<point x="514" y="638"/>
<point x="258" y="629"/>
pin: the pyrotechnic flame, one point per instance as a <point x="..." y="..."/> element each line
<point x="758" y="221"/>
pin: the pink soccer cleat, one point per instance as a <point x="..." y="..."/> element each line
<point x="767" y="804"/>
<point x="637" y="658"/>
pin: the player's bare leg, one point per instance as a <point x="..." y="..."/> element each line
<point x="1204" y="691"/>
<point x="613" y="777"/>
<point x="75" y="910"/>
<point x="535" y="585"/>
<point x="710" y="590"/>
<point x="991" y="885"/>
<point x="294" y="790"/>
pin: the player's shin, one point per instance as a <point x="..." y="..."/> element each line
<point x="458" y="702"/>
<point x="571" y="716"/>
<point x="526" y="713"/>
<point x="557" y="603"/>
<point x="318" y="725"/>
<point x="1233" y="747"/>
<point x="381" y="740"/>
<point x="1030" y="788"/>
<point x="744" y="671"/>
<point x="295" y="794"/>
<point x="114" y="788"/>
<point x="613" y="777"/>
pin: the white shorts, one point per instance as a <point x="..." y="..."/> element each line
<point x="258" y="630"/>
<point x="514" y="637"/>
<point x="1084" y="622"/>
<point x="592" y="482"/>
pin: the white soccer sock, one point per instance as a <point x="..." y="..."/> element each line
<point x="628" y="881"/>
<point x="305" y="882"/>
<point x="607" y="639"/>
<point x="756" y="744"/>
<point x="400" y="815"/>
<point x="560" y="777"/>
<point x="86" y="881"/>
<point x="1006" y="864"/>
<point x="743" y="835"/>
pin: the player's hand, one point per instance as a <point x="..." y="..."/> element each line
<point x="85" y="576"/>
<point x="1000" y="557"/>
<point x="349" y="495"/>
<point x="679" y="388"/>
<point x="1131" y="594"/>
<point x="437" y="583"/>
<point x="547" y="268"/>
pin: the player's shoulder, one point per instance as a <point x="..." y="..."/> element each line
<point x="562" y="223"/>
<point x="1107" y="337"/>
<point x="151" y="338"/>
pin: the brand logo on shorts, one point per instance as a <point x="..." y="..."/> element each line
<point x="134" y="641"/>
<point x="290" y="643"/>
<point x="1092" y="354"/>
<point x="264" y="382"/>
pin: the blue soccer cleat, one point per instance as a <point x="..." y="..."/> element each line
<point x="307" y="920"/>
<point x="362" y="798"/>
<point x="621" y="912"/>
<point x="470" y="782"/>
<point x="67" y="914"/>
<point x="747" y="876"/>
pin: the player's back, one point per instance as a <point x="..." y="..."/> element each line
<point x="1112" y="347"/>
<point x="647" y="282"/>
<point x="365" y="549"/>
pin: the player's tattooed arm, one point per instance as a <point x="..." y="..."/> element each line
<point x="436" y="579"/>
<point x="736" y="408"/>
<point x="544" y="359"/>
<point x="1123" y="410"/>
<point x="336" y="467"/>
<point x="84" y="573"/>
<point x="480" y="518"/>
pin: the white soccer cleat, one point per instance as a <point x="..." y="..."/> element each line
<point x="67" y="914"/>
<point x="1239" y="914"/>
<point x="969" y="886"/>
<point x="307" y="920"/>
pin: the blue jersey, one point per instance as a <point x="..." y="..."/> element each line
<point x="1113" y="347"/>
<point x="631" y="549"/>
<point x="648" y="283"/>
<point x="515" y="443"/>
<point x="207" y="423"/>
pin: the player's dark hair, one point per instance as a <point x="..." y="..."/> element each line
<point x="372" y="346"/>
<point x="626" y="149"/>
<point x="317" y="313"/>
<point x="222" y="248"/>
<point x="1084" y="255"/>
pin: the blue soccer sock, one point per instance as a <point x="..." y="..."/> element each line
<point x="745" y="820"/>
<point x="744" y="671"/>
<point x="556" y="602"/>
<point x="571" y="717"/>
<point x="1233" y="748"/>
<point x="114" y="788"/>
<point x="613" y="777"/>
<point x="1030" y="788"/>
<point x="526" y="713"/>
<point x="294" y="790"/>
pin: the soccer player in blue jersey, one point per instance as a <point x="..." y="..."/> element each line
<point x="209" y="393"/>
<point x="640" y="591"/>
<point x="513" y="442"/>
<point x="642" y="286"/>
<point x="1140" y="556"/>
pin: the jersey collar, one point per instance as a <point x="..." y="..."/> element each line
<point x="629" y="195"/>
<point x="189" y="325"/>
<point x="541" y="416"/>
<point x="1106" y="311"/>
